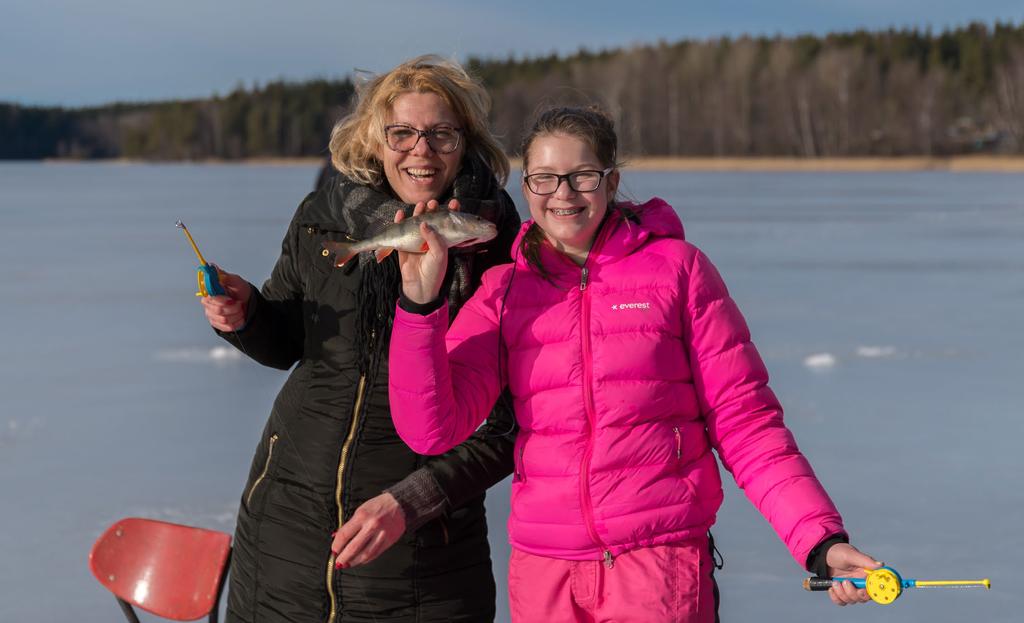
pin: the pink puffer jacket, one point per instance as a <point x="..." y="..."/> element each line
<point x="624" y="376"/>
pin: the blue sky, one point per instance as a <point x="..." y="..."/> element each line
<point x="76" y="52"/>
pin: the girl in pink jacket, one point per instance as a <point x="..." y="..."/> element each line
<point x="627" y="363"/>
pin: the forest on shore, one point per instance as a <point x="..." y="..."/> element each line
<point x="888" y="93"/>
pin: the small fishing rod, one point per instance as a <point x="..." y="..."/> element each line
<point x="206" y="273"/>
<point x="884" y="585"/>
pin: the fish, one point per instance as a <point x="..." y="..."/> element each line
<point x="457" y="229"/>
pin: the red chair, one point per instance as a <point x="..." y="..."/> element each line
<point x="173" y="571"/>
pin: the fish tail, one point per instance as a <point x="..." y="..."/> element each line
<point x="343" y="252"/>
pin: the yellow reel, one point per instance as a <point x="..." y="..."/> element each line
<point x="883" y="586"/>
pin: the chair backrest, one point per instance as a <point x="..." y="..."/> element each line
<point x="170" y="570"/>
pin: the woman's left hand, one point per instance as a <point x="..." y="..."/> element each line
<point x="372" y="529"/>
<point x="846" y="561"/>
<point x="423" y="273"/>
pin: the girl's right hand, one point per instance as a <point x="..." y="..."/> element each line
<point x="845" y="560"/>
<point x="228" y="313"/>
<point x="422" y="273"/>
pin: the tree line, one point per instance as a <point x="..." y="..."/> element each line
<point x="279" y="119"/>
<point x="887" y="93"/>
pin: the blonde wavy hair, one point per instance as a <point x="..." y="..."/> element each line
<point x="358" y="137"/>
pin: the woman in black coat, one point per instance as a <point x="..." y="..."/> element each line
<point x="339" y="520"/>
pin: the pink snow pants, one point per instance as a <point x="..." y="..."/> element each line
<point x="662" y="584"/>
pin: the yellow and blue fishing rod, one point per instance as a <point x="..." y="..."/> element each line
<point x="206" y="273"/>
<point x="884" y="585"/>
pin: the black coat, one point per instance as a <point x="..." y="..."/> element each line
<point x="329" y="445"/>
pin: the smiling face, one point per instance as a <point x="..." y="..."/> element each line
<point x="421" y="174"/>
<point x="569" y="219"/>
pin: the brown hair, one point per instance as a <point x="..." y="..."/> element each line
<point x="592" y="126"/>
<point x="357" y="138"/>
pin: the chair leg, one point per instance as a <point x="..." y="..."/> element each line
<point x="215" y="612"/>
<point x="129" y="612"/>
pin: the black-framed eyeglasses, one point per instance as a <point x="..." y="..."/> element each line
<point x="443" y="139"/>
<point x="578" y="181"/>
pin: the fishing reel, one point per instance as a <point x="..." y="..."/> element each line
<point x="885" y="585"/>
<point x="208" y="281"/>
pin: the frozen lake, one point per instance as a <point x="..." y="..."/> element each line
<point x="887" y="307"/>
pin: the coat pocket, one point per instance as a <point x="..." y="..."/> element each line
<point x="519" y="475"/>
<point x="321" y="258"/>
<point x="445" y="539"/>
<point x="263" y="474"/>
<point x="681" y="461"/>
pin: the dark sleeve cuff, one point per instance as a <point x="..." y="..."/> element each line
<point x="817" y="560"/>
<point x="422" y="309"/>
<point x="420" y="497"/>
<point x="251" y="305"/>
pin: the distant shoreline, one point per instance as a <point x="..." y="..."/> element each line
<point x="980" y="163"/>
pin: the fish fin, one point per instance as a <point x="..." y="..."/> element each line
<point x="382" y="253"/>
<point x="342" y="252"/>
<point x="425" y="247"/>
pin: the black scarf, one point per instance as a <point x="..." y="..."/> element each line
<point x="366" y="211"/>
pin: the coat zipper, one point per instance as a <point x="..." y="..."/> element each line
<point x="520" y="474"/>
<point x="263" y="474"/>
<point x="338" y="490"/>
<point x="588" y="402"/>
<point x="679" y="442"/>
<point x="586" y="502"/>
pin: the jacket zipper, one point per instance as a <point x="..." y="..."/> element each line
<point x="588" y="404"/>
<point x="338" y="490"/>
<point x="263" y="474"/>
<point x="586" y="503"/>
<point x="679" y="442"/>
<point x="520" y="474"/>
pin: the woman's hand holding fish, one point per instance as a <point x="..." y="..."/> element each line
<point x="422" y="273"/>
<point x="227" y="313"/>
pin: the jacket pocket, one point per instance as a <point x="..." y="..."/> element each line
<point x="263" y="474"/>
<point x="519" y="475"/>
<point x="321" y="261"/>
<point x="681" y="461"/>
<point x="433" y="534"/>
<point x="445" y="539"/>
<point x="321" y="258"/>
